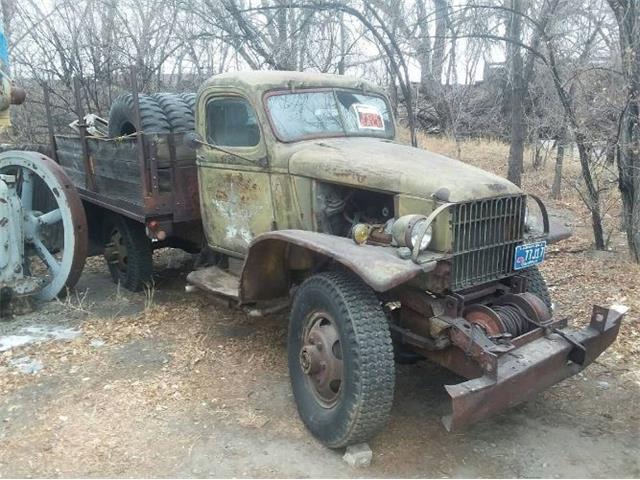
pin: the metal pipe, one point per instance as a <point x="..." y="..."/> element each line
<point x="47" y="108"/>
<point x="90" y="182"/>
<point x="142" y="157"/>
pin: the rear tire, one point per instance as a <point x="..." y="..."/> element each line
<point x="128" y="253"/>
<point x="336" y="320"/>
<point x="537" y="285"/>
<point x="122" y="118"/>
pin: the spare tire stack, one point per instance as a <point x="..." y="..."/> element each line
<point x="159" y="113"/>
<point x="190" y="99"/>
<point x="122" y="117"/>
<point x="178" y="112"/>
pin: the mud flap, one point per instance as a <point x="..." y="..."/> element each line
<point x="533" y="367"/>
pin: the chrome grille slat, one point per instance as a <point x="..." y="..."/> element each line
<point x="485" y="234"/>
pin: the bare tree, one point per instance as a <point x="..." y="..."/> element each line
<point x="517" y="92"/>
<point x="627" y="14"/>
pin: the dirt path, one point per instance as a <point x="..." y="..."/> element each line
<point x="186" y="388"/>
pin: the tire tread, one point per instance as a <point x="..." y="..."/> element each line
<point x="140" y="255"/>
<point x="152" y="117"/>
<point x="178" y="112"/>
<point x="367" y="333"/>
<point x="537" y="285"/>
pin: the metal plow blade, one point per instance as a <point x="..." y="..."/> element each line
<point x="533" y="367"/>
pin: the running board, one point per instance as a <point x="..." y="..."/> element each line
<point x="225" y="288"/>
<point x="217" y="281"/>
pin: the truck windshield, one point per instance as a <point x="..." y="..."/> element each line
<point x="329" y="113"/>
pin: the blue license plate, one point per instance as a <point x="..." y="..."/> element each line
<point x="528" y="255"/>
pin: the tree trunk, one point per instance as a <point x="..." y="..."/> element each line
<point x="435" y="93"/>
<point x="537" y="150"/>
<point x="556" y="189"/>
<point x="592" y="199"/>
<point x="516" y="148"/>
<point x="593" y="194"/>
<point x="423" y="48"/>
<point x="628" y="18"/>
<point x="343" y="45"/>
<point x="437" y="60"/>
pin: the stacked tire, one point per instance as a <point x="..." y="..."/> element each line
<point x="190" y="99"/>
<point x="159" y="113"/>
<point x="122" y="117"/>
<point x="178" y="111"/>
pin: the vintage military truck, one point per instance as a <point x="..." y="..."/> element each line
<point x="381" y="250"/>
<point x="377" y="243"/>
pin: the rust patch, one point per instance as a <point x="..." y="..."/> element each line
<point x="358" y="177"/>
<point x="532" y="367"/>
<point x="378" y="266"/>
<point x="497" y="187"/>
<point x="222" y="195"/>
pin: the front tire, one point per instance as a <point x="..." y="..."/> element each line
<point x="537" y="285"/>
<point x="340" y="359"/>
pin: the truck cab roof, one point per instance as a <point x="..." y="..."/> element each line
<point x="258" y="81"/>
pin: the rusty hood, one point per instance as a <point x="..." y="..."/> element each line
<point x="389" y="166"/>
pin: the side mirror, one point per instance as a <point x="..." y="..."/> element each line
<point x="193" y="140"/>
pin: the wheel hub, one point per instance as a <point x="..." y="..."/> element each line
<point x="116" y="251"/>
<point x="321" y="358"/>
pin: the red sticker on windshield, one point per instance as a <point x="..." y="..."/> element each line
<point x="368" y="117"/>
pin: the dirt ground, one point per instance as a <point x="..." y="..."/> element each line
<point x="169" y="384"/>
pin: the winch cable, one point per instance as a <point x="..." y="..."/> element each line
<point x="512" y="319"/>
<point x="564" y="335"/>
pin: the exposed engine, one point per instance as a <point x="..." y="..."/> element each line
<point x="340" y="208"/>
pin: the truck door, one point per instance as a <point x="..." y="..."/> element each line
<point x="235" y="196"/>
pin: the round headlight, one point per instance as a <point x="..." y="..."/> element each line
<point x="531" y="221"/>
<point x="408" y="230"/>
<point x="417" y="231"/>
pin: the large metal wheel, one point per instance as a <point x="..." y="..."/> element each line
<point x="54" y="222"/>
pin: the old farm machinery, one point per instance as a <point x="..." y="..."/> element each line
<point x="43" y="229"/>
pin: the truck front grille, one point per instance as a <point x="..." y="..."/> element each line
<point x="485" y="235"/>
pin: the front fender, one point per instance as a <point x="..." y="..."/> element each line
<point x="266" y="269"/>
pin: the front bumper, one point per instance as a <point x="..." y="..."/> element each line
<point x="543" y="358"/>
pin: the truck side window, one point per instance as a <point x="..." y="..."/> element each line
<point x="231" y="122"/>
